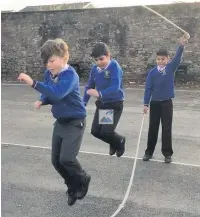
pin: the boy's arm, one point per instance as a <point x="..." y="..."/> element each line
<point x="116" y="79"/>
<point x="148" y="89"/>
<point x="44" y="98"/>
<point x="175" y="62"/>
<point x="90" y="85"/>
<point x="56" y="92"/>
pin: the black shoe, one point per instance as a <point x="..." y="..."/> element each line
<point x="71" y="198"/>
<point x="168" y="159"/>
<point x="121" y="150"/>
<point x="147" y="157"/>
<point x="82" y="191"/>
<point x="112" y="150"/>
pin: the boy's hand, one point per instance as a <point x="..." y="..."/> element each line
<point x="38" y="104"/>
<point x="187" y="36"/>
<point x="184" y="39"/>
<point x="26" y="78"/>
<point x="145" y="109"/>
<point x="93" y="92"/>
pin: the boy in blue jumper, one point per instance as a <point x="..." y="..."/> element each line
<point x="159" y="91"/>
<point x="105" y="83"/>
<point x="61" y="90"/>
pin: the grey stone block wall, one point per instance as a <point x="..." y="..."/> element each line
<point x="133" y="34"/>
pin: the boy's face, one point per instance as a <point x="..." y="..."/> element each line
<point x="162" y="60"/>
<point x="55" y="64"/>
<point x="102" y="61"/>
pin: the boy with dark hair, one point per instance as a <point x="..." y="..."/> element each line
<point x="106" y="77"/>
<point x="159" y="91"/>
<point x="61" y="89"/>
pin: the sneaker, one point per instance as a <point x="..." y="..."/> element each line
<point x="168" y="159"/>
<point x="121" y="150"/>
<point x="112" y="150"/>
<point x="82" y="191"/>
<point x="71" y="198"/>
<point x="147" y="157"/>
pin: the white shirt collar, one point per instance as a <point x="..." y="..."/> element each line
<point x="100" y="70"/>
<point x="160" y="69"/>
<point x="65" y="67"/>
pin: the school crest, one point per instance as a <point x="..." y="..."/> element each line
<point x="163" y="72"/>
<point x="106" y="74"/>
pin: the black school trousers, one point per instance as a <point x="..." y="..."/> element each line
<point x="107" y="132"/>
<point x="66" y="142"/>
<point x="160" y="111"/>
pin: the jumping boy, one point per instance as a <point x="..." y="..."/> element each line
<point x="61" y="89"/>
<point x="106" y="77"/>
<point x="159" y="92"/>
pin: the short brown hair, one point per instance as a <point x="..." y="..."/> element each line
<point x="56" y="47"/>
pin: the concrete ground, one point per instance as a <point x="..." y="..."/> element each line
<point x="32" y="188"/>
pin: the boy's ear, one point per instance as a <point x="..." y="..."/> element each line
<point x="108" y="55"/>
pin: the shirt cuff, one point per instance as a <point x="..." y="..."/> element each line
<point x="100" y="95"/>
<point x="34" y="84"/>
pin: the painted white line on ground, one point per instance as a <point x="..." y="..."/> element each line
<point x="96" y="153"/>
<point x="13" y="84"/>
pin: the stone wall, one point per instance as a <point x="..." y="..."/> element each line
<point x="132" y="33"/>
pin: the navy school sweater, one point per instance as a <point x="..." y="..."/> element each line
<point x="62" y="93"/>
<point x="108" y="82"/>
<point x="160" y="85"/>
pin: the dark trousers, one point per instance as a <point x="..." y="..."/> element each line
<point x="66" y="142"/>
<point x="160" y="110"/>
<point x="106" y="132"/>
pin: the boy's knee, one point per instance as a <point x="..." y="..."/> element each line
<point x="106" y="132"/>
<point x="95" y="133"/>
<point x="66" y="160"/>
<point x="55" y="163"/>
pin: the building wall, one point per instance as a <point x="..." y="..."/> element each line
<point x="133" y="34"/>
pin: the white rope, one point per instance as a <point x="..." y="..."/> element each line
<point x="166" y="19"/>
<point x="121" y="206"/>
